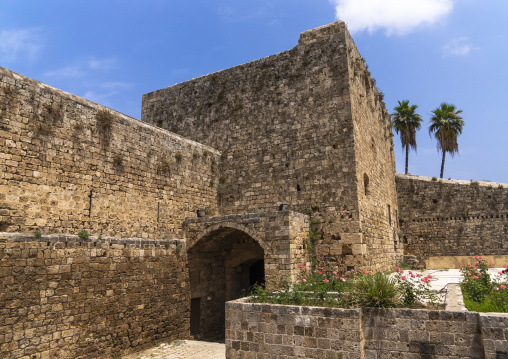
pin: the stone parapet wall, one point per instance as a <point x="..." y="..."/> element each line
<point x="450" y="217"/>
<point x="256" y="330"/>
<point x="66" y="297"/>
<point x="67" y="164"/>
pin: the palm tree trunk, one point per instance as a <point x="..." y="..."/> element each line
<point x="442" y="164"/>
<point x="407" y="156"/>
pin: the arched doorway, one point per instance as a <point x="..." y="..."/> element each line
<point x="222" y="266"/>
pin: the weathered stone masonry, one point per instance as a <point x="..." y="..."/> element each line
<point x="255" y="330"/>
<point x="64" y="168"/>
<point x="68" y="298"/>
<point x="452" y="218"/>
<point x="305" y="127"/>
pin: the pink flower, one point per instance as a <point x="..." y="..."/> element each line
<point x="429" y="276"/>
<point x="343" y="279"/>
<point x="403" y="277"/>
<point x="412" y="275"/>
<point x="425" y="279"/>
<point x="352" y="270"/>
<point x="320" y="272"/>
<point x="326" y="280"/>
<point x="304" y="280"/>
<point x="503" y="287"/>
<point x="397" y="269"/>
<point x="418" y="275"/>
<point x="496" y="288"/>
<point x="410" y="272"/>
<point x="475" y="277"/>
<point x="401" y="272"/>
<point x="335" y="272"/>
<point x="365" y="272"/>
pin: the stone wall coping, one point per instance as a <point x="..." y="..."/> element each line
<point x="133" y="121"/>
<point x="450" y="181"/>
<point x="244" y="216"/>
<point x="55" y="238"/>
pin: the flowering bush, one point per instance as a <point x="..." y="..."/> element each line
<point x="414" y="288"/>
<point x="476" y="282"/>
<point x="481" y="292"/>
<point x="326" y="286"/>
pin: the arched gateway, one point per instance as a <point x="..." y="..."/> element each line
<point x="228" y="254"/>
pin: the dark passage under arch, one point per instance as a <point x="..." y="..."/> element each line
<point x="223" y="265"/>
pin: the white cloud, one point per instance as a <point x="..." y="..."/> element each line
<point x="101" y="64"/>
<point x="113" y="86"/>
<point x="17" y="43"/>
<point x="458" y="47"/>
<point x="394" y="16"/>
<point x="66" y="72"/>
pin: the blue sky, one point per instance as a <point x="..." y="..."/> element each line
<point x="426" y="51"/>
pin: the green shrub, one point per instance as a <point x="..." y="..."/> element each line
<point x="83" y="234"/>
<point x="37" y="234"/>
<point x="376" y="290"/>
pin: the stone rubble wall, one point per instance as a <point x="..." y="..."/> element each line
<point x="442" y="217"/>
<point x="379" y="246"/>
<point x="67" y="164"/>
<point x="256" y="330"/>
<point x="286" y="127"/>
<point x="68" y="298"/>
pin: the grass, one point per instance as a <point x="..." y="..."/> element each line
<point x="496" y="302"/>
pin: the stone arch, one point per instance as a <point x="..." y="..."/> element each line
<point x="222" y="261"/>
<point x="224" y="225"/>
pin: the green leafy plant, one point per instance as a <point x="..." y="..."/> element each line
<point x="179" y="156"/>
<point x="118" y="160"/>
<point x="164" y="167"/>
<point x="104" y="120"/>
<point x="83" y="234"/>
<point x="185" y="224"/>
<point x="166" y="244"/>
<point x="178" y="249"/>
<point x="308" y="211"/>
<point x="37" y="234"/>
<point x="315" y="221"/>
<point x="376" y="290"/>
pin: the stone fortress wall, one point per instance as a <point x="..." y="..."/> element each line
<point x="68" y="298"/>
<point x="442" y="217"/>
<point x="298" y="128"/>
<point x="306" y="128"/>
<point x="68" y="164"/>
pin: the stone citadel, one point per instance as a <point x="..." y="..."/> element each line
<point x="263" y="152"/>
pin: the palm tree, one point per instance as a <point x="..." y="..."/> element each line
<point x="406" y="121"/>
<point x="446" y="125"/>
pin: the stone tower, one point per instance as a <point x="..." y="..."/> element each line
<point x="306" y="127"/>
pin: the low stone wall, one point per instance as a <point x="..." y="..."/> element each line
<point x="65" y="297"/>
<point x="278" y="331"/>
